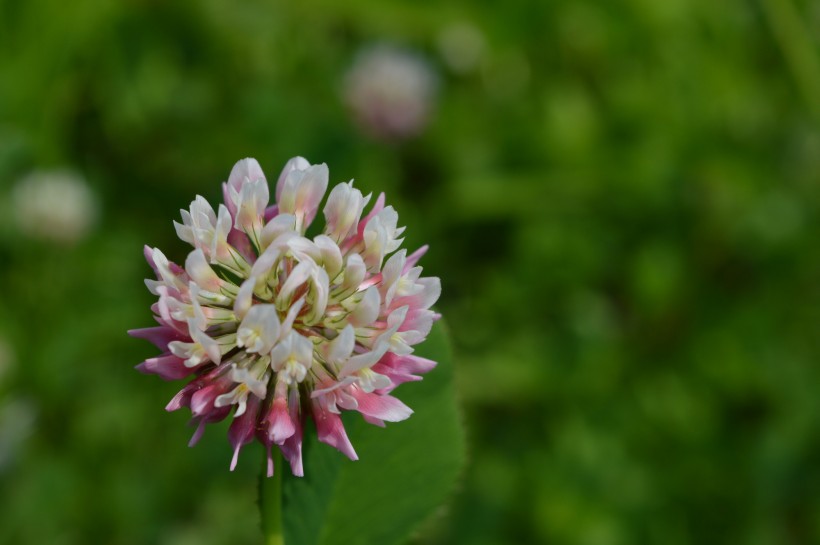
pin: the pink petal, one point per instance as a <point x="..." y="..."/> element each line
<point x="242" y="243"/>
<point x="378" y="206"/>
<point x="270" y="459"/>
<point x="178" y="271"/>
<point x="200" y="429"/>
<point x="396" y="379"/>
<point x="401" y="369"/>
<point x="271" y="212"/>
<point x="292" y="451"/>
<point x="262" y="436"/>
<point x="148" y="252"/>
<point x="158" y="336"/>
<point x="202" y="401"/>
<point x="216" y="415"/>
<point x="420" y="320"/>
<point x="413" y="364"/>
<point x="279" y="424"/>
<point x="292" y="447"/>
<point x="423" y="300"/>
<point x="183" y="397"/>
<point x="374" y="421"/>
<point x="413" y="258"/>
<point x="383" y="407"/>
<point x="167" y="366"/>
<point x="242" y="428"/>
<point x="331" y="431"/>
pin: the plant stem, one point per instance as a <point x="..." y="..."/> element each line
<point x="270" y="500"/>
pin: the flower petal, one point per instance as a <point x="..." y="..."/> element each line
<point x="331" y="431"/>
<point x="383" y="407"/>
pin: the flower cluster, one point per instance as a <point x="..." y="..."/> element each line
<point x="276" y="327"/>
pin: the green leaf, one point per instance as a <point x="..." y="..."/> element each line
<point x="404" y="472"/>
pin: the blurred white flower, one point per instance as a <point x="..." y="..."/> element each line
<point x="391" y="91"/>
<point x="54" y="205"/>
<point x="461" y="46"/>
<point x="17" y="417"/>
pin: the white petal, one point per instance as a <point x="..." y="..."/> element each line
<point x="304" y="248"/>
<point x="293" y="312"/>
<point x="303" y="349"/>
<point x="280" y="224"/>
<point x="432" y="290"/>
<point x="341" y="347"/>
<point x="244" y="299"/>
<point x="391" y="272"/>
<point x="259" y="330"/>
<point x="302" y="192"/>
<point x="201" y="272"/>
<point x="298" y="276"/>
<point x="258" y="386"/>
<point x="368" y="309"/>
<point x="296" y="163"/>
<point x="199" y="319"/>
<point x="164" y="268"/>
<point x="369" y="381"/>
<point x="282" y="351"/>
<point x="220" y="249"/>
<point x="396" y="318"/>
<point x="335" y="386"/>
<point x="330" y="255"/>
<point x="355" y="271"/>
<point x="202" y="213"/>
<point x="375" y="244"/>
<point x="253" y="199"/>
<point x="320" y="294"/>
<point x="265" y="262"/>
<point x="366" y="360"/>
<point x="208" y="344"/>
<point x="343" y="210"/>
<point x="185" y="233"/>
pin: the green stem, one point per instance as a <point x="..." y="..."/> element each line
<point x="270" y="500"/>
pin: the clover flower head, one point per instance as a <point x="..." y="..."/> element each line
<point x="391" y="91"/>
<point x="275" y="327"/>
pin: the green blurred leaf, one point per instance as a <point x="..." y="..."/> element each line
<point x="404" y="472"/>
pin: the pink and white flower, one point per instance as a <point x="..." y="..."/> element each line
<point x="275" y="327"/>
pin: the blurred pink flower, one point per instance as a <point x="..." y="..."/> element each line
<point x="391" y="92"/>
<point x="275" y="327"/>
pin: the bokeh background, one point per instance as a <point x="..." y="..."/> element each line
<point x="621" y="200"/>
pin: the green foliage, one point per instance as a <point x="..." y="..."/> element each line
<point x="404" y="472"/>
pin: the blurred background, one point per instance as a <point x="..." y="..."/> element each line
<point x="621" y="200"/>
